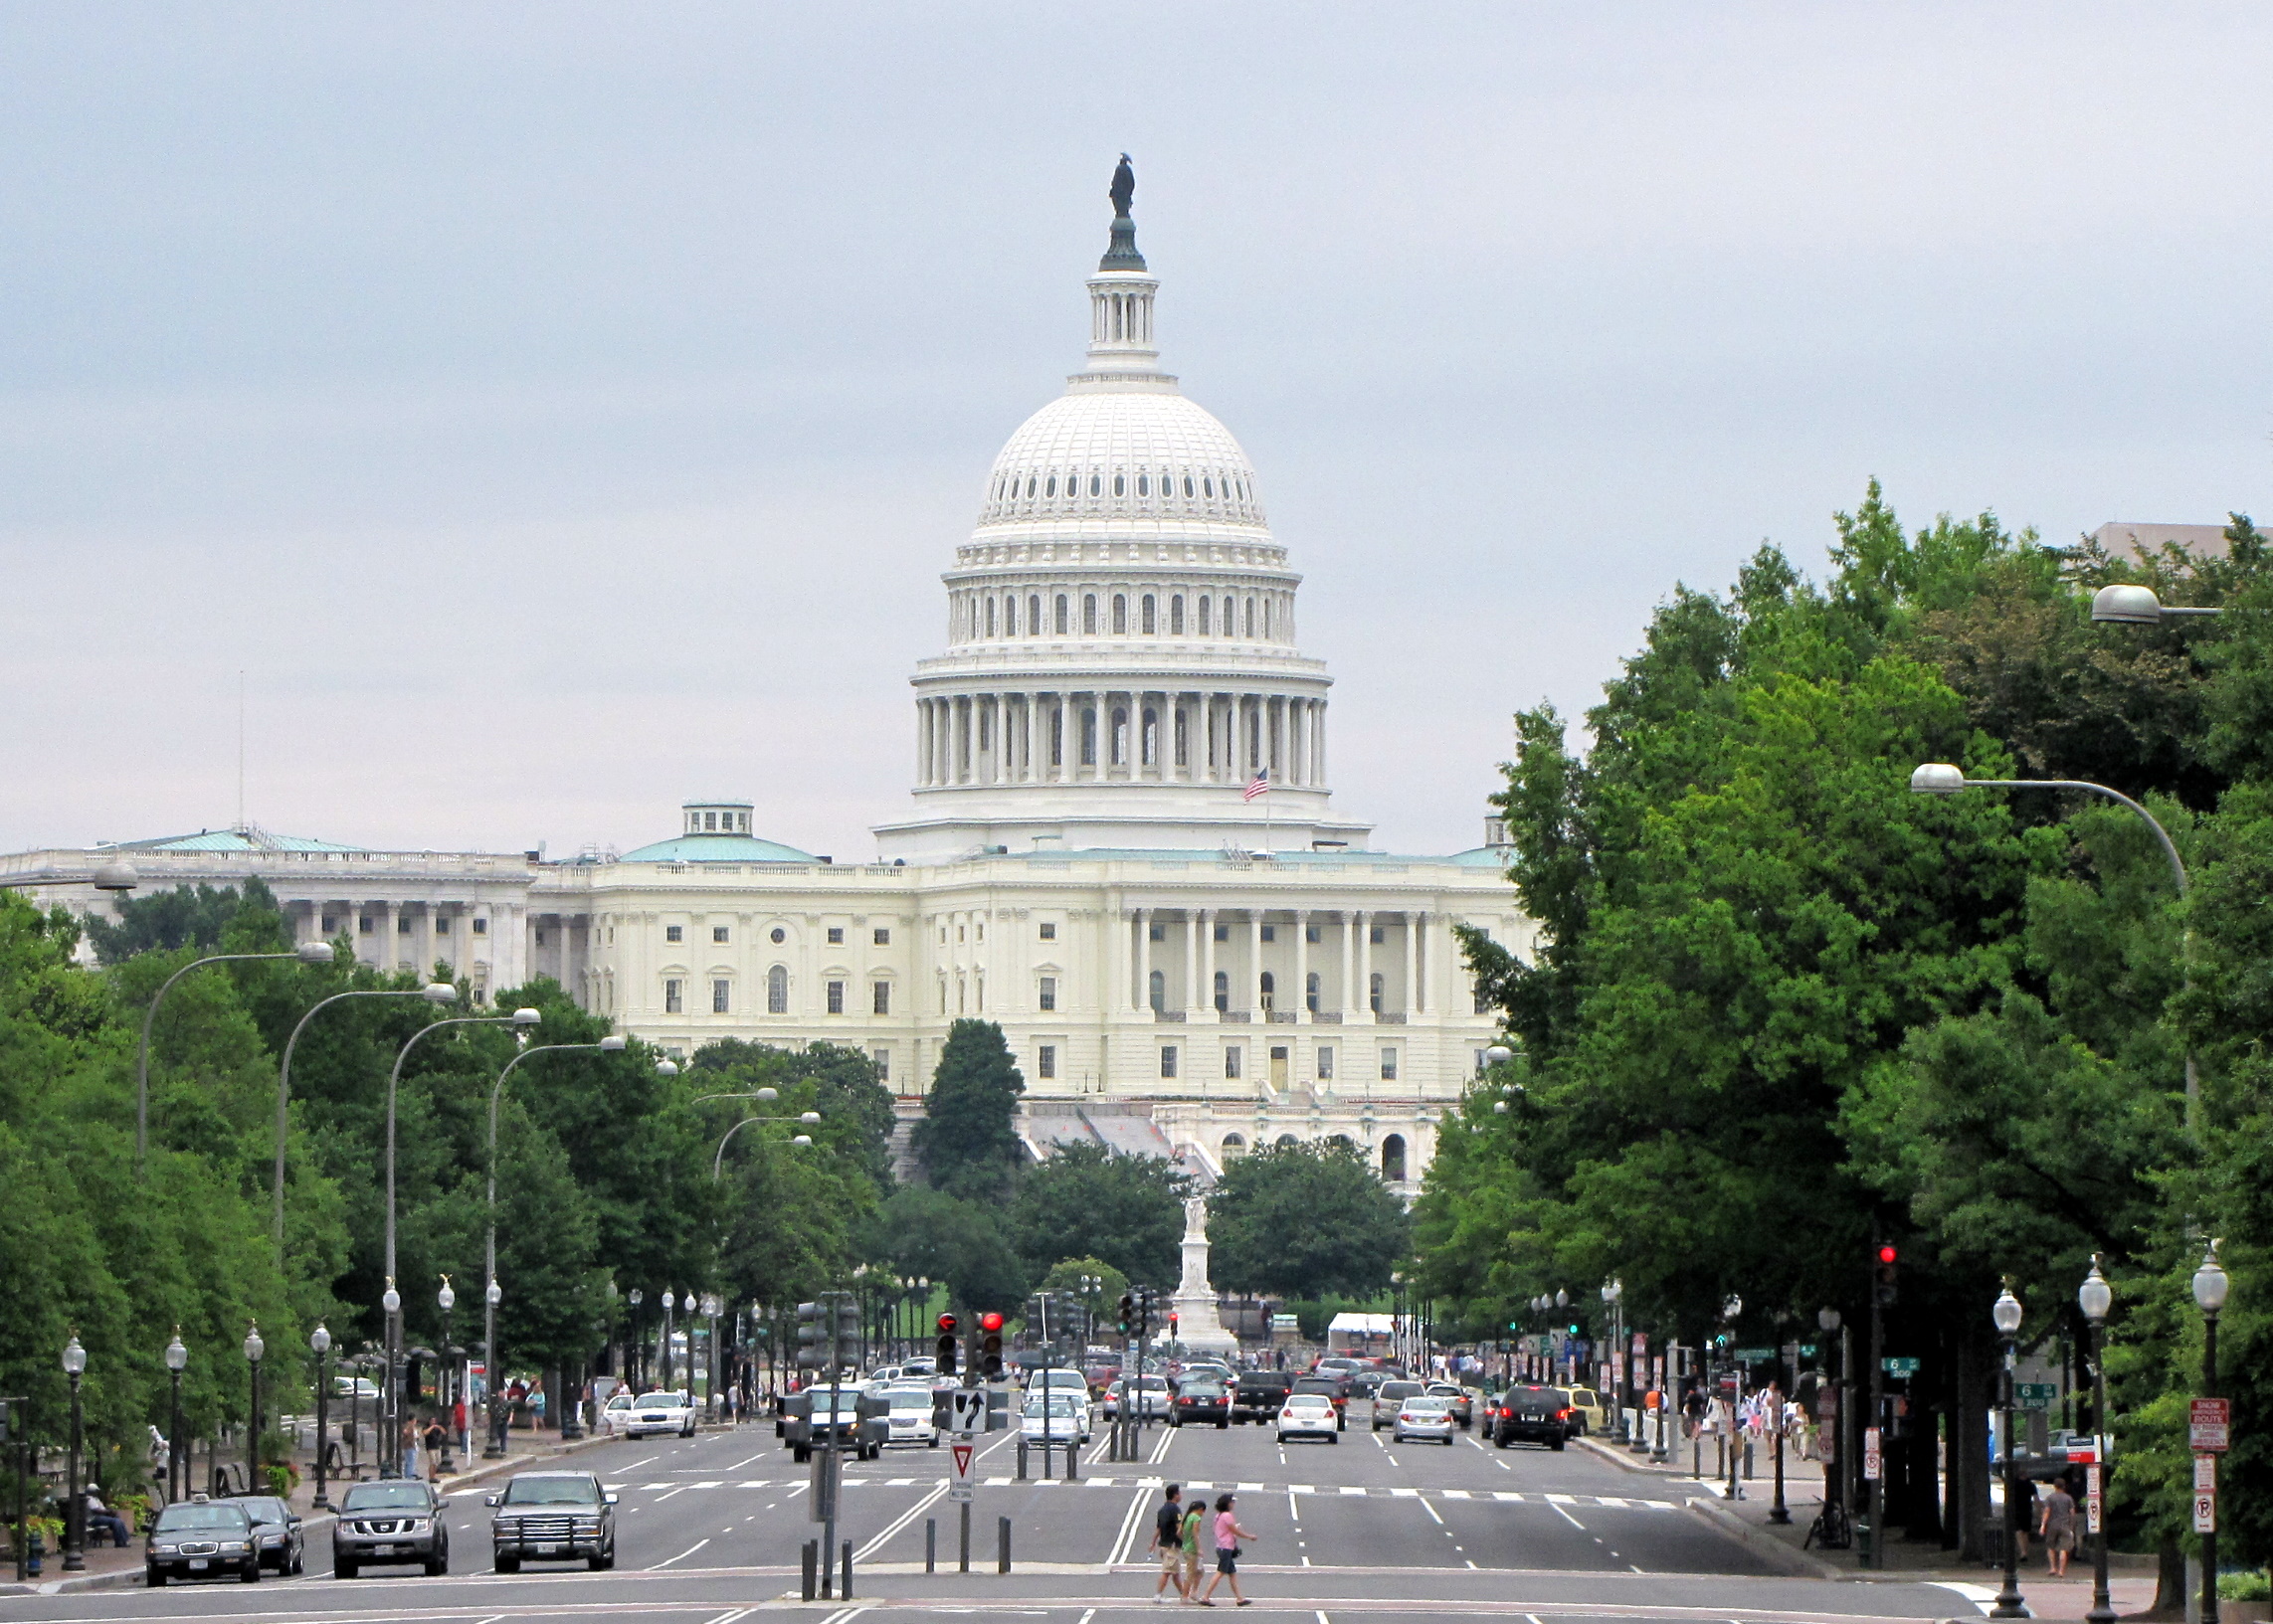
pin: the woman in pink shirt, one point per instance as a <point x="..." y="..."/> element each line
<point x="1229" y="1534"/>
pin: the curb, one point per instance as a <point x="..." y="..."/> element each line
<point x="1778" y="1552"/>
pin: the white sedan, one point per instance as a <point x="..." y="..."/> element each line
<point x="661" y="1412"/>
<point x="615" y="1415"/>
<point x="1310" y="1415"/>
<point x="1063" y="1414"/>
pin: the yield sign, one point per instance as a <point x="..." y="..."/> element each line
<point x="962" y="1453"/>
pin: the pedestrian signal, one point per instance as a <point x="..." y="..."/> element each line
<point x="990" y="1345"/>
<point x="945" y="1347"/>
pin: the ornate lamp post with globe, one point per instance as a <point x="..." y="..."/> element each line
<point x="2006" y="1315"/>
<point x="177" y="1361"/>
<point x="254" y="1349"/>
<point x="494" y="1442"/>
<point x="447" y="1300"/>
<point x="2095" y="1297"/>
<point x="75" y="1505"/>
<point x="319" y="1343"/>
<point x="2210" y="1286"/>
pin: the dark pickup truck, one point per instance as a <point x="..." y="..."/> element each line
<point x="1532" y="1414"/>
<point x="1260" y="1395"/>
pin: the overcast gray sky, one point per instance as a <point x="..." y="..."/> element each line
<point x="559" y="410"/>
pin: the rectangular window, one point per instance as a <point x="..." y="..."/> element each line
<point x="718" y="933"/>
<point x="363" y="925"/>
<point x="481" y="927"/>
<point x="1168" y="1061"/>
<point x="883" y="936"/>
<point x="1231" y="1062"/>
<point x="883" y="1063"/>
<point x="674" y="933"/>
<point x="672" y="1000"/>
<point x="1312" y="933"/>
<point x="883" y="997"/>
<point x="1389" y="1066"/>
<point x="1048" y="998"/>
<point x="836" y="936"/>
<point x="1049" y="933"/>
<point x="1326" y="1066"/>
<point x="721" y="996"/>
<point x="836" y="998"/>
<point x="442" y="924"/>
<point x="1270" y="933"/>
<point x="402" y="923"/>
<point x="330" y="925"/>
<point x="1484" y="1003"/>
<point x="540" y="937"/>
<point x="1223" y="933"/>
<point x="1380" y="935"/>
<point x="1159" y="933"/>
<point x="1045" y="1060"/>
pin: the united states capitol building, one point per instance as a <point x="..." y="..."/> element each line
<point x="1180" y="963"/>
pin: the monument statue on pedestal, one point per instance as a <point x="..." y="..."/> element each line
<point x="1198" y="1324"/>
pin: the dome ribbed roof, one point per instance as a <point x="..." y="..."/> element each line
<point x="1117" y="453"/>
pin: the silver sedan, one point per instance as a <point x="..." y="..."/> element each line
<point x="1425" y="1420"/>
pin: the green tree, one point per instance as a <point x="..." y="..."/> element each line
<point x="959" y="1243"/>
<point x="185" y="917"/>
<point x="1304" y="1220"/>
<point x="1091" y="1202"/>
<point x="967" y="1139"/>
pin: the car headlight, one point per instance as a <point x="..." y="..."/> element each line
<point x="170" y="1550"/>
<point x="415" y="1525"/>
<point x="233" y="1544"/>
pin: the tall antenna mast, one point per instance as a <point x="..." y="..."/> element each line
<point x="240" y="752"/>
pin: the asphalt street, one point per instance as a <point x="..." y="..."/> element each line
<point x="710" y="1530"/>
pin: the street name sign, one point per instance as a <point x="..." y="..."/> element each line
<point x="1900" y="1367"/>
<point x="2036" y="1395"/>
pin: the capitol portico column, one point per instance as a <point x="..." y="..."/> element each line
<point x="1191" y="917"/>
<point x="1412" y="962"/>
<point x="1254" y="961"/>
<point x="1366" y="962"/>
<point x="1144" y="959"/>
<point x="1029" y="773"/>
<point x="1207" y="918"/>
<point x="1301" y="964"/>
<point x="1352" y="924"/>
<point x="382" y="937"/>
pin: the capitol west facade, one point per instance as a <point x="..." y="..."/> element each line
<point x="1179" y="967"/>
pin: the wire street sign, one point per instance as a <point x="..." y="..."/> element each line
<point x="2209" y="1423"/>
<point x="1870" y="1454"/>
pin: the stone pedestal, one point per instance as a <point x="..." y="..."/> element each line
<point x="1198" y="1324"/>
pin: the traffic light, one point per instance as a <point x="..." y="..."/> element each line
<point x="945" y="1347"/>
<point x="1128" y="1312"/>
<point x="1889" y="1282"/>
<point x="848" y="1328"/>
<point x="990" y="1345"/>
<point x="812" y="1336"/>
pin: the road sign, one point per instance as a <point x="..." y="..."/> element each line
<point x="1755" y="1355"/>
<point x="2209" y="1423"/>
<point x="1900" y="1367"/>
<point x="967" y="1409"/>
<point x="2036" y="1395"/>
<point x="1870" y="1454"/>
<point x="959" y="1486"/>
<point x="2205" y="1494"/>
<point x="2091" y="1500"/>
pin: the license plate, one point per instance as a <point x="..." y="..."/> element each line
<point x="549" y="1548"/>
<point x="382" y="1550"/>
<point x="197" y="1564"/>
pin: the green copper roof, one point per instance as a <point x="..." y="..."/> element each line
<point x="718" y="848"/>
<point x="245" y="839"/>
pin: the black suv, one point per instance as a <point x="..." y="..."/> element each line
<point x="1535" y="1414"/>
<point x="396" y="1520"/>
<point x="1259" y="1394"/>
<point x="201" y="1538"/>
<point x="1333" y="1387"/>
<point x="553" y="1516"/>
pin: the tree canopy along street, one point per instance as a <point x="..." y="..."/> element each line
<point x="1798" y="1042"/>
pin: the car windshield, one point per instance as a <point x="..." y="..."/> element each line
<point x="1426" y="1406"/>
<point x="1317" y="1385"/>
<point x="654" y="1401"/>
<point x="264" y="1508"/>
<point x="912" y="1401"/>
<point x="622" y="1401"/>
<point x="1202" y="1389"/>
<point x="1057" y="1404"/>
<point x="1152" y="1383"/>
<point x="195" y="1516"/>
<point x="552" y="1492"/>
<point x="385" y="1496"/>
<point x="1400" y="1389"/>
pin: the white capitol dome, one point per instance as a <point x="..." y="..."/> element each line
<point x="1122" y="452"/>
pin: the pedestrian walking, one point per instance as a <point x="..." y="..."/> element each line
<point x="1229" y="1534"/>
<point x="431" y="1441"/>
<point x="2025" y="1523"/>
<point x="410" y="1449"/>
<point x="1168" y="1541"/>
<point x="2057" y="1525"/>
<point x="1189" y="1533"/>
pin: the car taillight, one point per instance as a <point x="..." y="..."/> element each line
<point x="1561" y="1415"/>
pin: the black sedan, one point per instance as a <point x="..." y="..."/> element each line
<point x="275" y="1530"/>
<point x="1202" y="1404"/>
<point x="201" y="1540"/>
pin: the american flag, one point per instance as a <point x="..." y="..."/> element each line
<point x="1260" y="786"/>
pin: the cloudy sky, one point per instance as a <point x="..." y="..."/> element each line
<point x="555" y="410"/>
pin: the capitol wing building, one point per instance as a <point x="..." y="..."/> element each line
<point x="1122" y="847"/>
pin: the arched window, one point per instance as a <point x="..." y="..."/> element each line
<point x="1310" y="992"/>
<point x="1374" y="993"/>
<point x="1266" y="618"/>
<point x="1029" y="485"/>
<point x="1120" y="614"/>
<point x="1158" y="992"/>
<point x="990" y="617"/>
<point x="1187" y="485"/>
<point x="1205" y="603"/>
<point x="1010" y="616"/>
<point x="1270" y="991"/>
<point x="1230" y="619"/>
<point x="1088" y="737"/>
<point x="1121" y="486"/>
<point x="1120" y="737"/>
<point x="1287" y="1139"/>
<point x="1222" y="991"/>
<point x="1050" y="488"/>
<point x="1392" y="1159"/>
<point x="1145" y="615"/>
<point x="1144" y="485"/>
<point x="1061" y="608"/>
<point x="1058" y="738"/>
<point x="1034" y="615"/>
<point x="1094" y="487"/>
<point x="1183" y="744"/>
<point x="777" y="990"/>
<point x="986" y="732"/>
<point x="1208" y="487"/>
<point x="1341" y="1139"/>
<point x="1088" y="613"/>
<point x="1150" y="744"/>
<point x="1251" y="616"/>
<point x="1235" y="1145"/>
<point x="1176" y="616"/>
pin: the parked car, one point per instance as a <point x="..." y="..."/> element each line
<point x="395" y="1521"/>
<point x="1056" y="1417"/>
<point x="1422" y="1419"/>
<point x="553" y="1516"/>
<point x="616" y="1415"/>
<point x="1259" y="1395"/>
<point x="1310" y="1415"/>
<point x="201" y="1538"/>
<point x="1534" y="1414"/>
<point x="1387" y="1396"/>
<point x="275" y="1531"/>
<point x="1199" y="1404"/>
<point x="662" y="1411"/>
<point x="1461" y="1400"/>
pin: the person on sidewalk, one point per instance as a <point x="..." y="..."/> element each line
<point x="1190" y="1530"/>
<point x="2057" y="1525"/>
<point x="2031" y="1511"/>
<point x="1167" y="1541"/>
<point x="433" y="1440"/>
<point x="1229" y="1534"/>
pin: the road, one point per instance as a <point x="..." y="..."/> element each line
<point x="710" y="1530"/>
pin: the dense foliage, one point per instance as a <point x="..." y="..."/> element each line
<point x="968" y="1141"/>
<point x="1304" y="1220"/>
<point x="1779" y="1007"/>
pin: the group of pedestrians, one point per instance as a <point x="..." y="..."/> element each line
<point x="1179" y="1533"/>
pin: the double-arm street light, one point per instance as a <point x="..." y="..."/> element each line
<point x="808" y="1119"/>
<point x="307" y="952"/>
<point x="2138" y="605"/>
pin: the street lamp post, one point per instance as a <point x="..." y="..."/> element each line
<point x="319" y="1343"/>
<point x="177" y="1360"/>
<point x="636" y="1341"/>
<point x="2095" y="1297"/>
<point x="390" y="1439"/>
<point x="1614" y="1298"/>
<point x="1834" y="1469"/>
<point x="447" y="1300"/>
<point x="2210" y="1286"/>
<point x="307" y="952"/>
<point x="254" y="1349"/>
<point x="74" y="1503"/>
<point x="493" y="1432"/>
<point x="807" y="1117"/>
<point x="2006" y="1315"/>
<point x="669" y="1301"/>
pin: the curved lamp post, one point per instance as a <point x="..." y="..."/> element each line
<point x="2095" y="1298"/>
<point x="2004" y="1314"/>
<point x="319" y="1343"/>
<point x="436" y="993"/>
<point x="177" y="1361"/>
<point x="2210" y="1286"/>
<point x="2138" y="605"/>
<point x="75" y="1505"/>
<point x="807" y="1117"/>
<point x="307" y="952"/>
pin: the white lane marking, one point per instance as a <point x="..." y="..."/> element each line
<point x="1348" y="1489"/>
<point x="1453" y="1494"/>
<point x="681" y="1556"/>
<point x="681" y="1488"/>
<point x="635" y="1464"/>
<point x="1432" y="1511"/>
<point x="736" y="1467"/>
<point x="1126" y="1537"/>
<point x="1091" y="1614"/>
<point x="755" y="1483"/>
<point x="1636" y="1567"/>
<point x="794" y="1493"/>
<point x="923" y="1503"/>
<point x="732" y="1614"/>
<point x="1166" y="1437"/>
<point x="650" y="1488"/>
<point x="1562" y="1500"/>
<point x="1568" y="1517"/>
<point x="1322" y="1618"/>
<point x="1404" y="1494"/>
<point x="1470" y="1560"/>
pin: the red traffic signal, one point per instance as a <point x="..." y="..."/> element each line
<point x="947" y="1325"/>
<point x="1886" y="1254"/>
<point x="990" y="1321"/>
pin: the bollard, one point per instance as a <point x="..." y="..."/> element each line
<point x="810" y="1554"/>
<point x="845" y="1591"/>
<point x="1697" y="1456"/>
<point x="1003" y="1534"/>
<point x="963" y="1562"/>
<point x="1748" y="1460"/>
<point x="1073" y="1454"/>
<point x="930" y="1544"/>
<point x="1021" y="1460"/>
